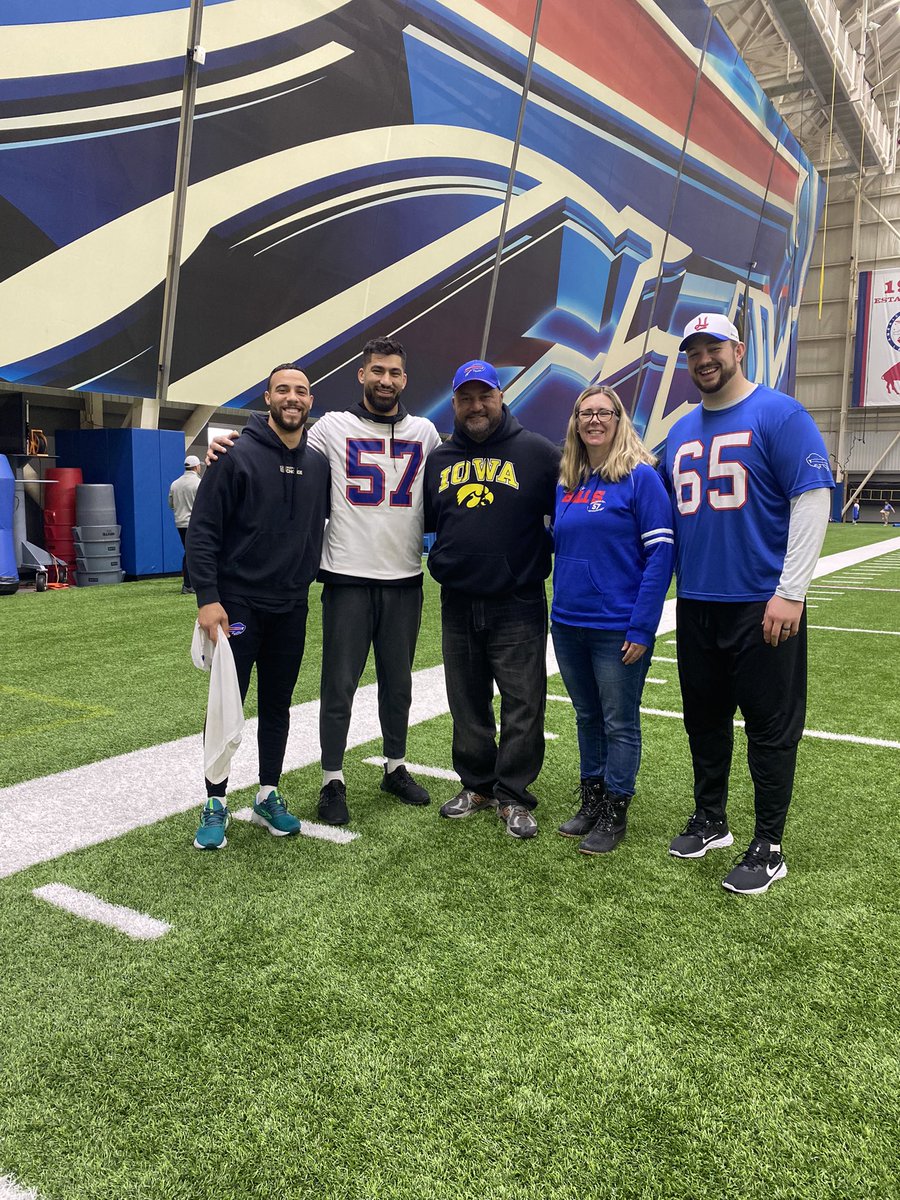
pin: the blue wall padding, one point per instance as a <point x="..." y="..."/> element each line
<point x="7" y="506"/>
<point x="140" y="464"/>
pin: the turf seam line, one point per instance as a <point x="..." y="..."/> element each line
<point x="133" y="924"/>
<point x="310" y="829"/>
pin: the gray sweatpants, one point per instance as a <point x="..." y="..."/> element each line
<point x="356" y="617"/>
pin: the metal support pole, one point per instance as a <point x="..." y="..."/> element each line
<point x="849" y="503"/>
<point x="848" y="351"/>
<point x="507" y="200"/>
<point x="179" y="200"/>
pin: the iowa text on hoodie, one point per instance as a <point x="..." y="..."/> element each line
<point x="259" y="519"/>
<point x="486" y="502"/>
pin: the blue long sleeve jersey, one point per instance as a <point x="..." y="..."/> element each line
<point x="614" y="554"/>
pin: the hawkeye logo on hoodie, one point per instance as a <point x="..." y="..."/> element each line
<point x="471" y="475"/>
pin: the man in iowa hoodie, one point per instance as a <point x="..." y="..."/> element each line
<point x="489" y="492"/>
<point x="253" y="548"/>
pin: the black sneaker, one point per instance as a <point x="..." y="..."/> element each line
<point x="402" y="785"/>
<point x="592" y="793"/>
<point x="756" y="870"/>
<point x="699" y="835"/>
<point x="610" y="826"/>
<point x="333" y="803"/>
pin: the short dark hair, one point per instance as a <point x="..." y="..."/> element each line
<point x="282" y="367"/>
<point x="383" y="345"/>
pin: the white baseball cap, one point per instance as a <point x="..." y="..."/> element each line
<point x="192" y="461"/>
<point x="713" y="325"/>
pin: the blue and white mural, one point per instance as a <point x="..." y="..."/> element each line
<point x="349" y="168"/>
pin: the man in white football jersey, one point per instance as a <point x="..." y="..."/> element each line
<point x="371" y="568"/>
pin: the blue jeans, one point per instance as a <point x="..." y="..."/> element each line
<point x="607" y="698"/>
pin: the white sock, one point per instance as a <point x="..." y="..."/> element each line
<point x="393" y="764"/>
<point x="775" y="848"/>
<point x="264" y="789"/>
<point x="328" y="776"/>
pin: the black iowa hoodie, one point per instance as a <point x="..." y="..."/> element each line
<point x="487" y="501"/>
<point x="258" y="521"/>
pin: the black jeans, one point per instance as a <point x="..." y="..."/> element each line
<point x="723" y="664"/>
<point x="355" y="618"/>
<point x="275" y="643"/>
<point x="503" y="639"/>
<point x="185" y="573"/>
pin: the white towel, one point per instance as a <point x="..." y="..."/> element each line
<point x="224" y="711"/>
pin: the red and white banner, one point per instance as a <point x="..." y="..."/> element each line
<point x="876" y="365"/>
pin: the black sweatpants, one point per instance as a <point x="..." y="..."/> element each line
<point x="275" y="643"/>
<point x="724" y="664"/>
<point x="356" y="617"/>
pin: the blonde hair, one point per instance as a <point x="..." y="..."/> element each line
<point x="625" y="452"/>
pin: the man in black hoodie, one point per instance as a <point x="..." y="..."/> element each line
<point x="253" y="548"/>
<point x="489" y="491"/>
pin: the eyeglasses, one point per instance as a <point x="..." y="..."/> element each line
<point x="586" y="415"/>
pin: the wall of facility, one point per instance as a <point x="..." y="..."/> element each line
<point x="349" y="170"/>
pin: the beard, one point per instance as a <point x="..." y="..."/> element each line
<point x="479" y="428"/>
<point x="378" y="402"/>
<point x="289" y="420"/>
<point x="716" y="382"/>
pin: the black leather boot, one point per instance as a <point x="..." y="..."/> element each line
<point x="610" y="826"/>
<point x="593" y="794"/>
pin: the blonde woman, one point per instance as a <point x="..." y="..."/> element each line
<point x="614" y="554"/>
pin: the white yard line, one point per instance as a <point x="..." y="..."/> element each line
<point x="133" y="924"/>
<point x="311" y="829"/>
<point x="42" y="819"/>
<point x="10" y="1190"/>
<point x="419" y="769"/>
<point x="661" y="658"/>
<point x="855" y="739"/>
<point x="847" y="629"/>
<point x="649" y="679"/>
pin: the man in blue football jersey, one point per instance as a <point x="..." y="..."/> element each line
<point x="750" y="478"/>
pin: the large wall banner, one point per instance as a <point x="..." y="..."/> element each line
<point x="352" y="164"/>
<point x="876" y="364"/>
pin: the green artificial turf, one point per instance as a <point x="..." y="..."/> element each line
<point x="437" y="1010"/>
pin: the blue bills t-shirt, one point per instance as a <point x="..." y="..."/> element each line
<point x="732" y="475"/>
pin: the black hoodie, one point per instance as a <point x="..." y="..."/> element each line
<point x="258" y="521"/>
<point x="487" y="502"/>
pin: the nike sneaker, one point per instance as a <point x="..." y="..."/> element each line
<point x="756" y="870"/>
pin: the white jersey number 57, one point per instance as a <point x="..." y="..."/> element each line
<point x="689" y="484"/>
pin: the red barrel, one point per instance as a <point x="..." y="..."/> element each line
<point x="59" y="497"/>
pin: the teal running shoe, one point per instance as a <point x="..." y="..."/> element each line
<point x="273" y="814"/>
<point x="214" y="820"/>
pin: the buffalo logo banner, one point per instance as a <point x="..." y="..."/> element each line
<point x="876" y="364"/>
